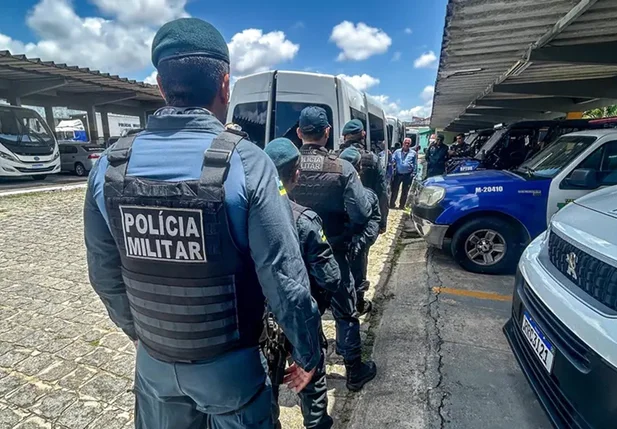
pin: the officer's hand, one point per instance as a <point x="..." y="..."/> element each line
<point x="382" y="230"/>
<point x="296" y="378"/>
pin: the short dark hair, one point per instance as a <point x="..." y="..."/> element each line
<point x="191" y="81"/>
<point x="313" y="137"/>
<point x="461" y="135"/>
<point x="288" y="171"/>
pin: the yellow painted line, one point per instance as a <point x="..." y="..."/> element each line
<point x="473" y="294"/>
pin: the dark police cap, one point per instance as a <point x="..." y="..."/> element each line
<point x="352" y="155"/>
<point x="188" y="37"/>
<point x="354" y="126"/>
<point x="282" y="152"/>
<point x="313" y="119"/>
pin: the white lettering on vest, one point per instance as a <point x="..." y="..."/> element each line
<point x="163" y="234"/>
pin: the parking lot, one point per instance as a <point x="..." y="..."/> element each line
<point x="10" y="185"/>
<point x="443" y="360"/>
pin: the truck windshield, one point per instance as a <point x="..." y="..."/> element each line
<point x="550" y="161"/>
<point x="490" y="143"/>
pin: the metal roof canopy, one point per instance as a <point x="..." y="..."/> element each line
<point x="509" y="60"/>
<point x="45" y="83"/>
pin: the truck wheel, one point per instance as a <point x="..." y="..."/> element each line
<point x="487" y="245"/>
<point x="80" y="170"/>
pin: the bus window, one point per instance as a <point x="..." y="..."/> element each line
<point x="252" y="118"/>
<point x="377" y="132"/>
<point x="356" y="114"/>
<point x="287" y="116"/>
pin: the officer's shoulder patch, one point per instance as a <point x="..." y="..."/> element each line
<point x="281" y="187"/>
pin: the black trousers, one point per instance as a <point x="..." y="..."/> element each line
<point x="397" y="181"/>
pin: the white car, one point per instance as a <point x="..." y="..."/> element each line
<point x="563" y="328"/>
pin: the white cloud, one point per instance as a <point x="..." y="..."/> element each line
<point x="422" y="111"/>
<point x="152" y="78"/>
<point x="397" y="56"/>
<point x="427" y="59"/>
<point x="89" y="42"/>
<point x="408" y="30"/>
<point x="390" y="107"/>
<point x="253" y="51"/>
<point x="361" y="82"/>
<point x="142" y="11"/>
<point x="427" y="93"/>
<point x="359" y="42"/>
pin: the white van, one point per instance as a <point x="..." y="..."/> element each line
<point x="396" y="130"/>
<point x="563" y="328"/>
<point x="268" y="105"/>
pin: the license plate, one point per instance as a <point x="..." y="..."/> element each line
<point x="543" y="349"/>
<point x="37" y="165"/>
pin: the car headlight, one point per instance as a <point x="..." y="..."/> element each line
<point x="8" y="156"/>
<point x="56" y="155"/>
<point x="431" y="195"/>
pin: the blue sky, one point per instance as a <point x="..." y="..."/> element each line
<point x="389" y="48"/>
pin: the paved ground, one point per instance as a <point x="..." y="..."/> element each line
<point x="444" y="362"/>
<point x="63" y="364"/>
<point x="7" y="184"/>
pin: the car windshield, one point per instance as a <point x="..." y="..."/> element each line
<point x="551" y="160"/>
<point x="22" y="127"/>
<point x="490" y="143"/>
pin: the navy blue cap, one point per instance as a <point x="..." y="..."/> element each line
<point x="186" y="37"/>
<point x="282" y="151"/>
<point x="313" y="119"/>
<point x="352" y="155"/>
<point x="353" y="127"/>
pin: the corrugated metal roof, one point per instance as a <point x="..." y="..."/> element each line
<point x="488" y="42"/>
<point x="22" y="70"/>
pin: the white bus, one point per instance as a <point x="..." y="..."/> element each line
<point x="27" y="146"/>
<point x="268" y="105"/>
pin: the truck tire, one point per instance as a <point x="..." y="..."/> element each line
<point x="487" y="245"/>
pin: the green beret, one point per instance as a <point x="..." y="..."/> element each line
<point x="282" y="152"/>
<point x="188" y="37"/>
<point x="352" y="155"/>
<point x="353" y="127"/>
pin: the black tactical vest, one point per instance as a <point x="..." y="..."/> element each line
<point x="369" y="165"/>
<point x="321" y="187"/>
<point x="193" y="295"/>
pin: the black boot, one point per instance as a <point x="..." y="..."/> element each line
<point x="359" y="373"/>
<point x="364" y="306"/>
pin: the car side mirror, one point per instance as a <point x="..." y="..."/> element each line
<point x="583" y="178"/>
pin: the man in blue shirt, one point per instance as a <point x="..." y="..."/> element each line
<point x="188" y="231"/>
<point x="405" y="168"/>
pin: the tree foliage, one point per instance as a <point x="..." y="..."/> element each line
<point x="601" y="112"/>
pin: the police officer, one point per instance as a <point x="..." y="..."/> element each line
<point x="332" y="188"/>
<point x="459" y="148"/>
<point x="184" y="242"/>
<point x="374" y="175"/>
<point x="324" y="275"/>
<point x="436" y="157"/>
<point x="362" y="242"/>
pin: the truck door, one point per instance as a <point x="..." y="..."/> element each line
<point x="294" y="92"/>
<point x="601" y="162"/>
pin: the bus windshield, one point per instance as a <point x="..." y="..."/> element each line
<point x="22" y="128"/>
<point x="490" y="143"/>
<point x="549" y="162"/>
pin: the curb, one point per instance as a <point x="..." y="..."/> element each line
<point x="43" y="189"/>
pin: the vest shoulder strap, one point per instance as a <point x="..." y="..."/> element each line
<point x="297" y="210"/>
<point x="217" y="159"/>
<point x="118" y="157"/>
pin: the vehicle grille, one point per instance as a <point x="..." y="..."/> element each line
<point x="595" y="277"/>
<point x="34" y="170"/>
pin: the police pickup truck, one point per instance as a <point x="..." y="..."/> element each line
<point x="487" y="217"/>
<point x="563" y="328"/>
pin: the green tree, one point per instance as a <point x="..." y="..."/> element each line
<point x="601" y="112"/>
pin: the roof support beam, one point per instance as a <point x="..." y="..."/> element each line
<point x="493" y="112"/>
<point x="592" y="53"/>
<point x="553" y="104"/>
<point x="584" y="88"/>
<point x="100" y="99"/>
<point x="35" y="86"/>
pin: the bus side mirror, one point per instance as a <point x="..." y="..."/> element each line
<point x="585" y="178"/>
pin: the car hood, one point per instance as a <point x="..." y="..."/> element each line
<point x="481" y="177"/>
<point x="603" y="201"/>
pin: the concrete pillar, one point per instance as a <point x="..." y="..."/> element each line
<point x="105" y="122"/>
<point x="143" y="119"/>
<point x="92" y="131"/>
<point x="49" y="117"/>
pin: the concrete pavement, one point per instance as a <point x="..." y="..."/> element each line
<point x="443" y="360"/>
